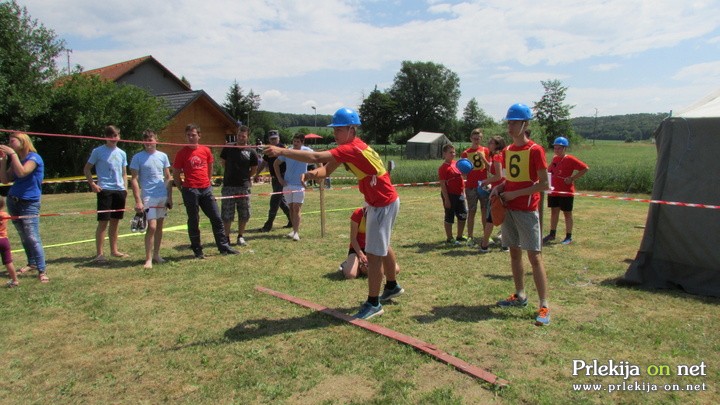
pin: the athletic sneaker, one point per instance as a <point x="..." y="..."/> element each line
<point x="471" y="242"/>
<point x="548" y="238"/>
<point x="241" y="241"/>
<point x="461" y="239"/>
<point x="483" y="250"/>
<point x="543" y="317"/>
<point x="291" y="234"/>
<point x="389" y="294"/>
<point x="504" y="249"/>
<point x="451" y="241"/>
<point x="367" y="311"/>
<point x="566" y="241"/>
<point x="513" y="301"/>
<point x="296" y="237"/>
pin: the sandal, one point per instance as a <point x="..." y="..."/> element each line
<point x="99" y="260"/>
<point x="25" y="269"/>
<point x="12" y="284"/>
<point x="43" y="278"/>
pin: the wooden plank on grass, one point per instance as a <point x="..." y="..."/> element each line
<point x="428" y="348"/>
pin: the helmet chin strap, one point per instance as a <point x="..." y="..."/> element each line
<point x="522" y="128"/>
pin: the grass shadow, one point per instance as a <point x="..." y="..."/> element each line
<point x="677" y="292"/>
<point x="465" y="313"/>
<point x="262" y="328"/>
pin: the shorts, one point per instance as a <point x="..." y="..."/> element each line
<point x="228" y="205"/>
<point x="111" y="200"/>
<point x="297" y="196"/>
<point x="472" y="198"/>
<point x="458" y="209"/>
<point x="155" y="207"/>
<point x="522" y="229"/>
<point x="6" y="253"/>
<point x="378" y="228"/>
<point x="565" y="203"/>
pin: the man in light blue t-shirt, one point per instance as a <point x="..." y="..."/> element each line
<point x="293" y="187"/>
<point x="150" y="171"/>
<point x="110" y="163"/>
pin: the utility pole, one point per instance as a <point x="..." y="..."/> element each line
<point x="68" y="52"/>
<point x="315" y="109"/>
<point x="595" y="126"/>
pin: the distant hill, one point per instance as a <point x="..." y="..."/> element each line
<point x="613" y="127"/>
<point x="618" y="127"/>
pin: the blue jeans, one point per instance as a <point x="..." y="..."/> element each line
<point x="197" y="199"/>
<point x="28" y="229"/>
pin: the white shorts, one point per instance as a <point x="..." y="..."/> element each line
<point x="297" y="195"/>
<point x="378" y="228"/>
<point x="155" y="207"/>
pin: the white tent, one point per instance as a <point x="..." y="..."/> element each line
<point x="681" y="245"/>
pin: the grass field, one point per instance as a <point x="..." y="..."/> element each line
<point x="192" y="331"/>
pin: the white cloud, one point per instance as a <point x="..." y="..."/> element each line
<point x="604" y="67"/>
<point x="706" y="73"/>
<point x="213" y="43"/>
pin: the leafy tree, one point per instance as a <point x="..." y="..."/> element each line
<point x="474" y="117"/>
<point x="426" y="95"/>
<point x="552" y="115"/>
<point x="378" y="112"/>
<point x="240" y="106"/>
<point x="84" y="105"/>
<point x="27" y="65"/>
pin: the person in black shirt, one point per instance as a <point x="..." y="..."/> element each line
<point x="240" y="162"/>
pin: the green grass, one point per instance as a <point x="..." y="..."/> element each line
<point x="197" y="332"/>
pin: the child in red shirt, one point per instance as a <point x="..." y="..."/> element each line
<point x="452" y="191"/>
<point x="564" y="170"/>
<point x="525" y="179"/>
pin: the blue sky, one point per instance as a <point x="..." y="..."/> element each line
<point x="616" y="56"/>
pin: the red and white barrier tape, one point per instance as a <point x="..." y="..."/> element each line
<point x="644" y="200"/>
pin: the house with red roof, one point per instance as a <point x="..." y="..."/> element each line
<point x="187" y="105"/>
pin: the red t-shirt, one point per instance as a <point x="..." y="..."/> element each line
<point x="562" y="168"/>
<point x="358" y="216"/>
<point x="367" y="166"/>
<point x="194" y="164"/>
<point x="479" y="171"/>
<point x="496" y="158"/>
<point x="452" y="177"/>
<point x="521" y="165"/>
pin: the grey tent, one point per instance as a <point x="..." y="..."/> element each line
<point x="425" y="145"/>
<point x="681" y="245"/>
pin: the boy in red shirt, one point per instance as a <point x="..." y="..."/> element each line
<point x="380" y="196"/>
<point x="480" y="158"/>
<point x="564" y="170"/>
<point x="525" y="179"/>
<point x="195" y="162"/>
<point x="452" y="191"/>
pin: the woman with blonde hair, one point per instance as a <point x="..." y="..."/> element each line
<point x="21" y="164"/>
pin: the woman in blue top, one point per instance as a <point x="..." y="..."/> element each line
<point x="19" y="162"/>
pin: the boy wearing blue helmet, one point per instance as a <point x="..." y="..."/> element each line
<point x="380" y="195"/>
<point x="564" y="170"/>
<point x="525" y="178"/>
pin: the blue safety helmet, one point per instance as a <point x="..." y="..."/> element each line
<point x="562" y="141"/>
<point x="345" y="117"/>
<point x="519" y="112"/>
